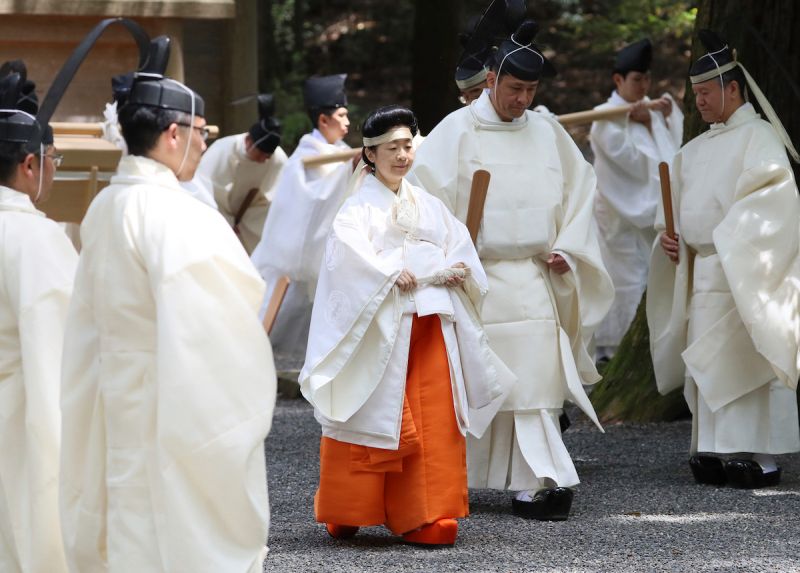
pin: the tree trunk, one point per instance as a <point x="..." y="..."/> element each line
<point x="435" y="53"/>
<point x="762" y="33"/>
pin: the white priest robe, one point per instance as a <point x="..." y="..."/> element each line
<point x="168" y="387"/>
<point x="626" y="161"/>
<point x="293" y="241"/>
<point x="539" y="323"/>
<point x="37" y="268"/>
<point x="726" y="319"/>
<point x="229" y="175"/>
<point x="355" y="370"/>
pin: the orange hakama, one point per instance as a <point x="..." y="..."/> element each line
<point x="422" y="481"/>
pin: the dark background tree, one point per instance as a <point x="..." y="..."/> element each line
<point x="763" y="34"/>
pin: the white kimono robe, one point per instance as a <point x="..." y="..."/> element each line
<point x="726" y="319"/>
<point x="227" y="173"/>
<point x="168" y="387"/>
<point x="539" y="323"/>
<point x="37" y="268"/>
<point x="626" y="161"/>
<point x="293" y="241"/>
<point x="355" y="370"/>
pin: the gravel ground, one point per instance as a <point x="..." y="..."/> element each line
<point x="637" y="510"/>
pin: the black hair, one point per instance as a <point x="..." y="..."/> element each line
<point x="382" y="120"/>
<point x="736" y="75"/>
<point x="314" y="113"/>
<point x="12" y="153"/>
<point x="142" y="125"/>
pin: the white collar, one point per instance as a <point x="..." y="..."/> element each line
<point x="483" y="111"/>
<point x="743" y="113"/>
<point x="13" y="200"/>
<point x="137" y="169"/>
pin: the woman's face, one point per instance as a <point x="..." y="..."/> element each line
<point x="392" y="161"/>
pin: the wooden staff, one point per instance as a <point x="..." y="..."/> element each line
<point x="666" y="197"/>
<point x="96" y="129"/>
<point x="275" y="301"/>
<point x="591" y="115"/>
<point x="337" y="157"/>
<point x="477" y="199"/>
<point x="248" y="199"/>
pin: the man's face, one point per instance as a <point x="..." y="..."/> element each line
<point x="335" y="126"/>
<point x="511" y="96"/>
<point x="197" y="146"/>
<point x="254" y="153"/>
<point x="633" y="86"/>
<point x="471" y="94"/>
<point x="708" y="99"/>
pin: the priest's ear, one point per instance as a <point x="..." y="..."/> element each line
<point x="491" y="79"/>
<point x="171" y="134"/>
<point x="618" y="79"/>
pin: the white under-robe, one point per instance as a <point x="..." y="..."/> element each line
<point x="725" y="322"/>
<point x="228" y="175"/>
<point x="168" y="387"/>
<point x="355" y="371"/>
<point x="293" y="241"/>
<point x="539" y="323"/>
<point x="626" y="161"/>
<point x="37" y="268"/>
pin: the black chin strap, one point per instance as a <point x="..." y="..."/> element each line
<point x="70" y="67"/>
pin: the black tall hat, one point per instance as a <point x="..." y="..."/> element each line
<point x="521" y="58"/>
<point x="151" y="88"/>
<point x="266" y="132"/>
<point x="483" y="34"/>
<point x="717" y="60"/>
<point x="28" y="100"/>
<point x="634" y="57"/>
<point x="474" y="60"/>
<point x="325" y="92"/>
<point x="121" y="87"/>
<point x="19" y="124"/>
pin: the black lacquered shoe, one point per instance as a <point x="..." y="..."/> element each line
<point x="564" y="422"/>
<point x="747" y="474"/>
<point x="708" y="470"/>
<point x="547" y="505"/>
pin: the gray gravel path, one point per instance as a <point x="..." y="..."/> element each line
<point x="637" y="510"/>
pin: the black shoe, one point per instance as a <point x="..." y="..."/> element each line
<point x="747" y="474"/>
<point x="564" y="422"/>
<point x="546" y="505"/>
<point x="708" y="470"/>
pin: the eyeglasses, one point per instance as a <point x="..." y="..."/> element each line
<point x="57" y="158"/>
<point x="204" y="131"/>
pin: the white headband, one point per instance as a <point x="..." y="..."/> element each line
<point x="398" y="133"/>
<point x="473" y="80"/>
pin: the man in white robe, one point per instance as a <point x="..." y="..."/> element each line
<point x="241" y="171"/>
<point x="627" y="152"/>
<point x="722" y="299"/>
<point x="548" y="289"/>
<point x="306" y="201"/>
<point x="37" y="268"/>
<point x="168" y="381"/>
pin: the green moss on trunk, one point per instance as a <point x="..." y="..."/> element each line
<point x="628" y="389"/>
